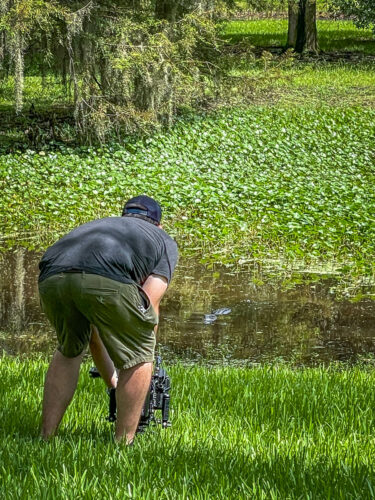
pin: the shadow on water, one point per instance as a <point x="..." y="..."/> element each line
<point x="219" y="315"/>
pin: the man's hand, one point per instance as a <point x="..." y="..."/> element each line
<point x="155" y="287"/>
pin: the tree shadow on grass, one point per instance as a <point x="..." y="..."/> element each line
<point x="238" y="473"/>
<point x="346" y="44"/>
<point x="329" y="41"/>
<point x="19" y="419"/>
<point x="219" y="470"/>
<point x="257" y="40"/>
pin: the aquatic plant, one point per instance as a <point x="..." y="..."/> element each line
<point x="260" y="182"/>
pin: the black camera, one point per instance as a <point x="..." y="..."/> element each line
<point x="157" y="398"/>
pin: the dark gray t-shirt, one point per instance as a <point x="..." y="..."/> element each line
<point x="126" y="249"/>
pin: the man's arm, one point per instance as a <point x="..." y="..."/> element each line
<point x="155" y="287"/>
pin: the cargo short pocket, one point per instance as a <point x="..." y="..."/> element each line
<point x="101" y="291"/>
<point x="141" y="304"/>
<point x="146" y="308"/>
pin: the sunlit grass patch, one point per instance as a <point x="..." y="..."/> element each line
<point x="342" y="75"/>
<point x="258" y="32"/>
<point x="42" y="92"/>
<point x="266" y="432"/>
<point x="311" y="74"/>
<point x="332" y="35"/>
<point x="334" y="75"/>
<point x="341" y="84"/>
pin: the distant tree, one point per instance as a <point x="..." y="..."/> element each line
<point x="302" y="31"/>
<point x="21" y="23"/>
<point x="363" y="11"/>
<point x="264" y="6"/>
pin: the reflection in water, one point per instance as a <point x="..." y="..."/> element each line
<point x="12" y="291"/>
<point x="18" y="309"/>
<point x="220" y="315"/>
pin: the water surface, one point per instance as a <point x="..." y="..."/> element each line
<point x="300" y="318"/>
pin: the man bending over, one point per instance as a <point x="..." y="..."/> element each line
<point x="101" y="284"/>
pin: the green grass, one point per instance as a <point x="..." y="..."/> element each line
<point x="289" y="73"/>
<point x="339" y="76"/>
<point x="332" y="35"/>
<point x="269" y="432"/>
<point x="342" y="76"/>
<point x="293" y="83"/>
<point x="261" y="182"/>
<point x="43" y="93"/>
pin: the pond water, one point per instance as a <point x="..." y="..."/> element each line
<point x="303" y="318"/>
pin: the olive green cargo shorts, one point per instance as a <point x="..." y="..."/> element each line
<point x="120" y="311"/>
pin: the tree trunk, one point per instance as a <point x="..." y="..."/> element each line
<point x="311" y="44"/>
<point x="2" y="47"/>
<point x="18" y="71"/>
<point x="173" y="10"/>
<point x="42" y="64"/>
<point x="166" y="9"/>
<point x="302" y="32"/>
<point x="292" y="24"/>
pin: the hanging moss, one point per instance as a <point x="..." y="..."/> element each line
<point x="131" y="64"/>
<point x="18" y="71"/>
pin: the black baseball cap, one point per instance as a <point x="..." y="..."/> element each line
<point x="143" y="205"/>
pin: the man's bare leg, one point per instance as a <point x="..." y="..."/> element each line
<point x="133" y="383"/>
<point x="101" y="359"/>
<point x="60" y="384"/>
<point x="132" y="387"/>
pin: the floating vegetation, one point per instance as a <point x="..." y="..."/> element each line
<point x="248" y="183"/>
